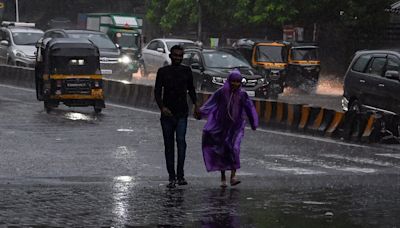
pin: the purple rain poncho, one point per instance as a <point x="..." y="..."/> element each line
<point x="224" y="130"/>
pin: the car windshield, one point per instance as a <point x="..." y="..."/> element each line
<point x="274" y="54"/>
<point x="128" y="40"/>
<point x="26" y="38"/>
<point x="100" y="40"/>
<point x="220" y="59"/>
<point x="170" y="44"/>
<point x="305" y="54"/>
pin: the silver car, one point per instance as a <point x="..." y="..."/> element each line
<point x="17" y="45"/>
<point x="156" y="53"/>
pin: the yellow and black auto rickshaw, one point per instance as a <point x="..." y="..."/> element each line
<point x="269" y="58"/>
<point x="303" y="66"/>
<point x="68" y="71"/>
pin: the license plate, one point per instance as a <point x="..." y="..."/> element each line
<point x="106" y="71"/>
<point x="76" y="84"/>
<point x="251" y="93"/>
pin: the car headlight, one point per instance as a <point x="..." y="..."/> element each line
<point x="260" y="81"/>
<point x="19" y="53"/>
<point x="125" y="59"/>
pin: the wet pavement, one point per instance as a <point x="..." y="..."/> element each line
<point x="259" y="202"/>
<point x="72" y="168"/>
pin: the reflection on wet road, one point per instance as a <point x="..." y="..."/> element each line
<point x="128" y="202"/>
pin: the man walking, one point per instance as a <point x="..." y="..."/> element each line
<point x="173" y="83"/>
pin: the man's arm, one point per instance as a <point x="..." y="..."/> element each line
<point x="158" y="87"/>
<point x="190" y="87"/>
<point x="192" y="94"/>
<point x="158" y="90"/>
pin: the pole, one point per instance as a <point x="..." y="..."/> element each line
<point x="16" y="11"/>
<point x="199" y="12"/>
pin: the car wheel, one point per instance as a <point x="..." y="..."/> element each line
<point x="355" y="106"/>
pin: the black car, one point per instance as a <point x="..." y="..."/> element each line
<point x="211" y="68"/>
<point x="113" y="63"/>
<point x="372" y="82"/>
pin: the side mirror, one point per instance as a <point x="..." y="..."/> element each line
<point x="392" y="74"/>
<point x="196" y="66"/>
<point x="160" y="50"/>
<point x="4" y="43"/>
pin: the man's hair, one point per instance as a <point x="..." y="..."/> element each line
<point x="176" y="47"/>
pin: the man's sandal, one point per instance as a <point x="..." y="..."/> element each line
<point x="235" y="181"/>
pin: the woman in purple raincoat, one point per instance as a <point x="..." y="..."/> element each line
<point x="226" y="110"/>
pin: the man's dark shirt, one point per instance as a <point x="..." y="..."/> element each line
<point x="176" y="81"/>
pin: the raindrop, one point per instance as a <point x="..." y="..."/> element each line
<point x="249" y="198"/>
<point x="329" y="214"/>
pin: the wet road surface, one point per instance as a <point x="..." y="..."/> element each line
<point x="74" y="168"/>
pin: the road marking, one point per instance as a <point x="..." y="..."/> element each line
<point x="280" y="168"/>
<point x="319" y="163"/>
<point x="325" y="140"/>
<point x="361" y="160"/>
<point x="389" y="155"/>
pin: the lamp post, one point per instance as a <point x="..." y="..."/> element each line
<point x="199" y="20"/>
<point x="16" y="11"/>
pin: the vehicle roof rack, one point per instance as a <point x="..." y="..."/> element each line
<point x="17" y="24"/>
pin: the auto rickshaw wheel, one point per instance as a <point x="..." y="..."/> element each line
<point x="46" y="106"/>
<point x="97" y="110"/>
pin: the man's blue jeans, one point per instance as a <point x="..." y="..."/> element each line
<point x="172" y="126"/>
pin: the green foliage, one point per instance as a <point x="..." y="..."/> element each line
<point x="364" y="15"/>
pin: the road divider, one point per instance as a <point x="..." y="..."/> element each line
<point x="367" y="127"/>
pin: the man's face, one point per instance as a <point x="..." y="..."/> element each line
<point x="176" y="57"/>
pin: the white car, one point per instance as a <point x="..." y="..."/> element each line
<point x="156" y="53"/>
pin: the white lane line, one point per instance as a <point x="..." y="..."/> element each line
<point x="397" y="156"/>
<point x="16" y="87"/>
<point x="319" y="163"/>
<point x="285" y="169"/>
<point x="361" y="160"/>
<point x="325" y="140"/>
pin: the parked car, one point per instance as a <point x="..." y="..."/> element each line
<point x="17" y="43"/>
<point x="211" y="68"/>
<point x="372" y="81"/>
<point x="156" y="53"/>
<point x="113" y="63"/>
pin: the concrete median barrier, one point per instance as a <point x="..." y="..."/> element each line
<point x="360" y="127"/>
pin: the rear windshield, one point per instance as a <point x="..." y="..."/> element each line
<point x="304" y="54"/>
<point x="170" y="44"/>
<point x="274" y="54"/>
<point x="75" y="65"/>
<point x="26" y="38"/>
<point x="102" y="41"/>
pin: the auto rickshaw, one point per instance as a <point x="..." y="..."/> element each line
<point x="68" y="71"/>
<point x="269" y="58"/>
<point x="304" y="66"/>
